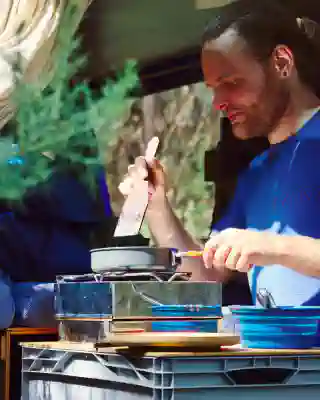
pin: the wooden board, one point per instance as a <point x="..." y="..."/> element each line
<point x="83" y="347"/>
<point x="140" y="318"/>
<point x="224" y="351"/>
<point x="170" y="339"/>
<point x="146" y="318"/>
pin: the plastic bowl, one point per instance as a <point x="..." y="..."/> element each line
<point x="186" y="311"/>
<point x="278" y="328"/>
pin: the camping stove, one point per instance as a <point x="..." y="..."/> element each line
<point x="89" y="307"/>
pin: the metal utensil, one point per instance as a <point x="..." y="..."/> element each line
<point x="266" y="299"/>
<point x="135" y="206"/>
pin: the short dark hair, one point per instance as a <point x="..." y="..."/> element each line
<point x="264" y="24"/>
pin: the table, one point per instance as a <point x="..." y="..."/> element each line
<point x="10" y="356"/>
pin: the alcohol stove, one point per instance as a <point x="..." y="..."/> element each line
<point x="119" y="294"/>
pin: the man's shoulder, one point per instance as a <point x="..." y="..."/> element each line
<point x="306" y="150"/>
<point x="307" y="154"/>
<point x="301" y="160"/>
<point x="310" y="144"/>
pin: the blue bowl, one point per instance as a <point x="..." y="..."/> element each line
<point x="186" y="311"/>
<point x="278" y="328"/>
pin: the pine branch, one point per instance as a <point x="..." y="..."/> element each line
<point x="60" y="120"/>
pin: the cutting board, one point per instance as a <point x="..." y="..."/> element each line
<point x="170" y="339"/>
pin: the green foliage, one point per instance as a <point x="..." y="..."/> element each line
<point x="61" y="121"/>
<point x="191" y="197"/>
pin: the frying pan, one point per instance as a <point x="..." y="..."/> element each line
<point x="138" y="258"/>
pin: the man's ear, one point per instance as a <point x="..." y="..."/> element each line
<point x="283" y="61"/>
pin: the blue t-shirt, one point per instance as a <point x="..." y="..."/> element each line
<point x="280" y="191"/>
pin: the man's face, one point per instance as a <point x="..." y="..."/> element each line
<point x="251" y="95"/>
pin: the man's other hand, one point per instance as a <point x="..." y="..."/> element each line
<point x="238" y="249"/>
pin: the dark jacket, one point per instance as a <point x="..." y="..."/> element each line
<point x="52" y="231"/>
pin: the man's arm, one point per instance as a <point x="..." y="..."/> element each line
<point x="165" y="227"/>
<point x="169" y="232"/>
<point x="300" y="253"/>
<point x="247" y="248"/>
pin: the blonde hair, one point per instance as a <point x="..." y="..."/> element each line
<point x="28" y="29"/>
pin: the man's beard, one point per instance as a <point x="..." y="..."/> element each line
<point x="280" y="101"/>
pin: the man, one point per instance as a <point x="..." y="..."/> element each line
<point x="256" y="57"/>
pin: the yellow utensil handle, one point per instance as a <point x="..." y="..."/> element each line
<point x="191" y="253"/>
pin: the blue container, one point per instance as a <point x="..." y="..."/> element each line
<point x="278" y="328"/>
<point x="186" y="311"/>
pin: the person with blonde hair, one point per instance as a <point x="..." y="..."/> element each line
<point x="51" y="233"/>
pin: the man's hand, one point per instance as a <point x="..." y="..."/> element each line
<point x="238" y="249"/>
<point x="146" y="168"/>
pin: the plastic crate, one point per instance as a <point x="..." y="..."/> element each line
<point x="68" y="375"/>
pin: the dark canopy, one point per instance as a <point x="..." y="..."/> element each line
<point x="163" y="36"/>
